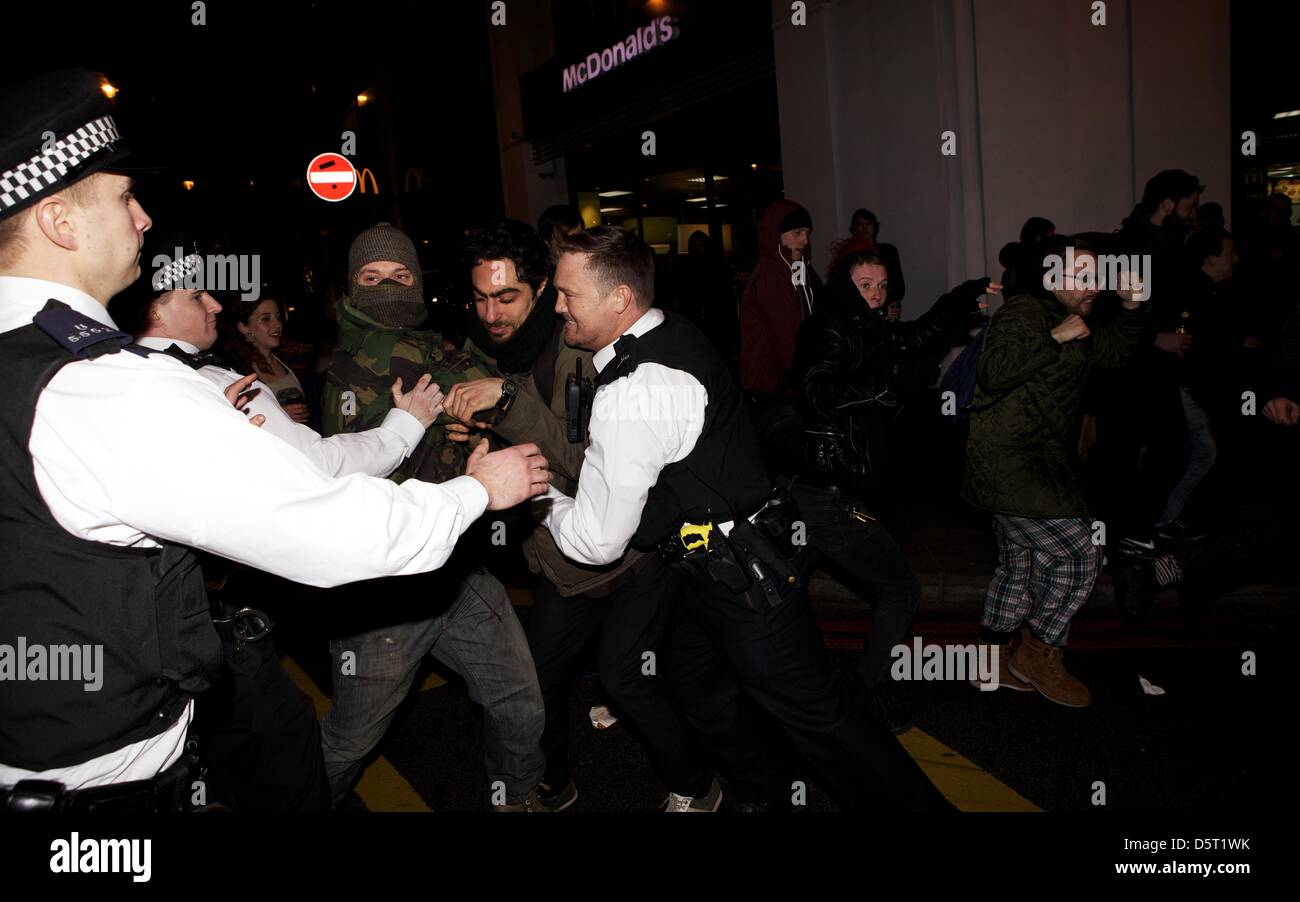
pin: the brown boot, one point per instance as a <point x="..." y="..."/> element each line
<point x="1006" y="679"/>
<point x="1040" y="665"/>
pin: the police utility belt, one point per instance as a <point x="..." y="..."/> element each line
<point x="169" y="791"/>
<point x="759" y="550"/>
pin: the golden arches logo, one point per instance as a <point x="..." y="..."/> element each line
<point x="361" y="181"/>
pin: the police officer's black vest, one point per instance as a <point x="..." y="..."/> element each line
<point x="148" y="608"/>
<point x="723" y="478"/>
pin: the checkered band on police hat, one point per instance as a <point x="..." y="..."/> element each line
<point x="176" y="273"/>
<point x="64" y="158"/>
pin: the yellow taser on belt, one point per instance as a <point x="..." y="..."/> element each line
<point x="696" y="535"/>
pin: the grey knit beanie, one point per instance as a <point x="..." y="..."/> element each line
<point x="382" y="241"/>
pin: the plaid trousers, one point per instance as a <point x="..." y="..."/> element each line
<point x="1046" y="571"/>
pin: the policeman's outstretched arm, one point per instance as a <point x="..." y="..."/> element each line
<point x="510" y="476"/>
<point x="167" y="477"/>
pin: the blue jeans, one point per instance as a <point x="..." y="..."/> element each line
<point x="1201" y="458"/>
<point x="479" y="637"/>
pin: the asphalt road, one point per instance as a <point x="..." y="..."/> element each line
<point x="1209" y="743"/>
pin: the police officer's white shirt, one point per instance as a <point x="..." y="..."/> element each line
<point x="375" y="452"/>
<point x="640" y="423"/>
<point x="127" y="450"/>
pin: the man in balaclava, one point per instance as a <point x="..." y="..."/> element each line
<point x="464" y="610"/>
<point x="384" y="280"/>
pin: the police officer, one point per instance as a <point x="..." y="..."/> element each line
<point x="103" y="454"/>
<point x="674" y="465"/>
<point x="257" y="730"/>
<point x="173" y="310"/>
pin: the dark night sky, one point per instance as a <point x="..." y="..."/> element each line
<point x="232" y="101"/>
<point x="260" y="89"/>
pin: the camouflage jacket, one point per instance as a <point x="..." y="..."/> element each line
<point x="357" y="395"/>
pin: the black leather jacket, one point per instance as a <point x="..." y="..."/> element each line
<point x="850" y="370"/>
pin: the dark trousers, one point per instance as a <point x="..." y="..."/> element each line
<point x="867" y="556"/>
<point x="720" y="646"/>
<point x="630" y="621"/>
<point x="1140" y="455"/>
<point x="258" y="736"/>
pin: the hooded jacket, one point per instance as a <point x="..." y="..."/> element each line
<point x="772" y="307"/>
<point x="850" y="368"/>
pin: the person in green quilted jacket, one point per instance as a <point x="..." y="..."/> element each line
<point x="462" y="615"/>
<point x="1020" y="464"/>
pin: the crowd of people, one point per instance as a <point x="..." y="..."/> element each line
<point x="671" y="467"/>
<point x="1100" y="423"/>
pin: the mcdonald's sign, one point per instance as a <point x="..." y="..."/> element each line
<point x="416" y="175"/>
<point x="361" y="181"/>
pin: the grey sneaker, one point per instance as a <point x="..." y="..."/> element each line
<point x="557" y="800"/>
<point x="707" y="802"/>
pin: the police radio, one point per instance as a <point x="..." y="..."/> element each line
<point x="578" y="396"/>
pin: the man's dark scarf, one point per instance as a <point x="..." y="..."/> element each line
<point x="517" y="355"/>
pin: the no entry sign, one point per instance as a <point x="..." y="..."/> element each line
<point x="331" y="177"/>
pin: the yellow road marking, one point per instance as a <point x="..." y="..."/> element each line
<point x="962" y="781"/>
<point x="381" y="787"/>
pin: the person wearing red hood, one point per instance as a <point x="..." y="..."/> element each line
<point x="779" y="296"/>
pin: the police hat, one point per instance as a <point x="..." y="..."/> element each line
<point x="54" y="131"/>
<point x="183" y="266"/>
<point x="169" y="259"/>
